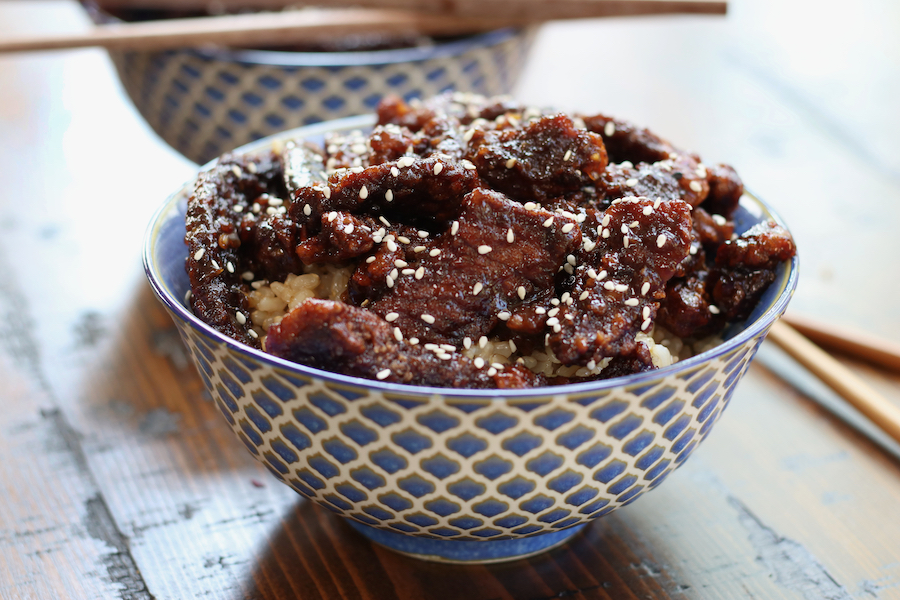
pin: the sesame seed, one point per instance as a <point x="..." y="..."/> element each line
<point x="626" y="242"/>
<point x="385" y="221"/>
<point x="695" y="186"/>
<point x="327" y="193"/>
<point x="307" y="210"/>
<point x="540" y="310"/>
<point x="229" y="267"/>
<point x="714" y="309"/>
<point x="332" y="216"/>
<point x="391" y="245"/>
<point x="389" y="281"/>
<point x="237" y="208"/>
<point x="467" y="164"/>
<point x="391" y="317"/>
<point x="554" y="301"/>
<point x="454" y="227"/>
<point x="552" y="321"/>
<point x="256" y="207"/>
<point x="645" y="325"/>
<point x="476" y="289"/>
<point x="403" y="239"/>
<point x="348" y="229"/>
<point x="631" y="182"/>
<point x="609" y="129"/>
<point x="646" y="312"/>
<point x="482" y="341"/>
<point x="571" y="260"/>
<point x="631" y="302"/>
<point x="467" y="136"/>
<point x="602" y="274"/>
<point x="621" y="287"/>
<point x="395" y="171"/>
<point x="252" y="168"/>
<point x="479" y="362"/>
<point x="568" y="227"/>
<point x="530" y="206"/>
<point x="605" y="234"/>
<point x="400" y="263"/>
<point x="418" y="249"/>
<point x="448" y="347"/>
<point x="609" y="285"/>
<point x="504" y="315"/>
<point x="510" y="236"/>
<point x="428" y="319"/>
<point x="389" y="195"/>
<point x="605" y="221"/>
<point x="240" y="318"/>
<point x="199" y="253"/>
<point x="467" y="342"/>
<point x="383" y="374"/>
<point x="438" y="168"/>
<point x="398" y="335"/>
<point x="253" y="334"/>
<point x="271" y="210"/>
<point x="215" y="265"/>
<point x="422" y="233"/>
<point x="693" y="250"/>
<point x="661" y="240"/>
<point x="236" y="170"/>
<point x="583" y="295"/>
<point x="370" y="260"/>
<point x="648" y="210"/>
<point x="548" y="222"/>
<point x="553" y="312"/>
<point x="521" y="292"/>
<point x="492" y="371"/>
<point x="247" y="275"/>
<point x="434" y="252"/>
<point x="413" y="341"/>
<point x="484" y="249"/>
<point x="645" y="288"/>
<point x="719" y="220"/>
<point x="511" y="163"/>
<point x="557" y="328"/>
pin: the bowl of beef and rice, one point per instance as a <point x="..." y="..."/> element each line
<point x="466" y="325"/>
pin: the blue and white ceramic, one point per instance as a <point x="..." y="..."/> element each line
<point x="206" y="102"/>
<point x="459" y="475"/>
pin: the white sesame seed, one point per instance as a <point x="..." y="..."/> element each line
<point x="467" y="136"/>
<point x="530" y="206"/>
<point x="557" y="328"/>
<point x="307" y="210"/>
<point x="467" y="342"/>
<point x="583" y="295"/>
<point x="438" y="168"/>
<point x="199" y="253"/>
<point x="418" y="249"/>
<point x="385" y="221"/>
<point x="454" y="227"/>
<point x="237" y="208"/>
<point x="567" y="155"/>
<point x="413" y="341"/>
<point x="348" y="229"/>
<point x="605" y="221"/>
<point x="695" y="186"/>
<point x="492" y="371"/>
<point x="648" y="210"/>
<point x="370" y="260"/>
<point x="719" y="220"/>
<point x="661" y="240"/>
<point x="403" y="239"/>
<point x="571" y="260"/>
<point x="645" y="325"/>
<point x="394" y="274"/>
<point x="383" y="374"/>
<point x="253" y="334"/>
<point x="553" y="312"/>
<point x="602" y="274"/>
<point x="391" y="245"/>
<point x="646" y="312"/>
<point x="449" y="347"/>
<point x="552" y="321"/>
<point x="693" y="250"/>
<point x="271" y="210"/>
<point x="568" y="227"/>
<point x="240" y="318"/>
<point x="476" y="289"/>
<point x="247" y="275"/>
<point x="422" y="233"/>
<point x="631" y="302"/>
<point x="395" y="171"/>
<point x="504" y="315"/>
<point x="236" y="170"/>
<point x="229" y="267"/>
<point x="548" y="222"/>
<point x="256" y="207"/>
<point x="332" y="216"/>
<point x="389" y="195"/>
<point x="215" y="265"/>
<point x="540" y="310"/>
<point x="420" y="272"/>
<point x="621" y="287"/>
<point x="484" y="249"/>
<point x="609" y="285"/>
<point x="510" y="236"/>
<point x="327" y="193"/>
<point x="428" y="318"/>
<point x="391" y="317"/>
<point x="434" y="252"/>
<point x="605" y="234"/>
<point x="521" y="292"/>
<point x="609" y="129"/>
<point x="714" y="309"/>
<point x="400" y="263"/>
<point x="468" y="165"/>
<point x="631" y="182"/>
<point x="645" y="288"/>
<point x="482" y="341"/>
<point x="554" y="301"/>
<point x="479" y="362"/>
<point x="626" y="241"/>
<point x="511" y="163"/>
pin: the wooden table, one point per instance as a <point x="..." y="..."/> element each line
<point x="119" y="480"/>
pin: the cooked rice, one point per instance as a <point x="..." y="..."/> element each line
<point x="270" y="302"/>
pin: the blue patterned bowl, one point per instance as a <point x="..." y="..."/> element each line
<point x="204" y="103"/>
<point x="459" y="475"/>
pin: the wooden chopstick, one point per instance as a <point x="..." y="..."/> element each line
<point x="532" y="10"/>
<point x="842" y="380"/>
<point x="313" y="25"/>
<point x="852" y="342"/>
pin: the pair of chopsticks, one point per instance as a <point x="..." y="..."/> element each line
<point x="788" y="333"/>
<point x="343" y="17"/>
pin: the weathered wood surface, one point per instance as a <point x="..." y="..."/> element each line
<point x="120" y="480"/>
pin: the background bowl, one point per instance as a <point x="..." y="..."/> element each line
<point x="206" y="102"/>
<point x="459" y="475"/>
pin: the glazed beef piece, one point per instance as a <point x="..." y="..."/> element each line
<point x="618" y="284"/>
<point x="628" y="142"/>
<point x="229" y="232"/>
<point x="496" y="257"/>
<point x="354" y="341"/>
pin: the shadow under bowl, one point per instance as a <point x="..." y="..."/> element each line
<point x="459" y="475"/>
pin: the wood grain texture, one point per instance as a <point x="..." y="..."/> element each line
<point x="120" y="480"/>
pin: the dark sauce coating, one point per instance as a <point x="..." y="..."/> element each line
<point x="466" y="218"/>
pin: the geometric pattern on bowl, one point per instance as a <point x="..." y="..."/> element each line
<point x="205" y="103"/>
<point x="472" y="468"/>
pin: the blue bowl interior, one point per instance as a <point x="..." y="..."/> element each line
<point x="165" y="253"/>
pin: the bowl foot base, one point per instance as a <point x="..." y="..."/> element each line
<point x="471" y="552"/>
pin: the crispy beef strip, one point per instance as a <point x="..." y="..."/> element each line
<point x="346" y="339"/>
<point x="618" y="284"/>
<point x="547" y="158"/>
<point x="222" y="244"/>
<point x="627" y="142"/>
<point x="497" y="256"/>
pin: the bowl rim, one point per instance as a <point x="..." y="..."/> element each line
<point x="285" y="58"/>
<point x="169" y="207"/>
